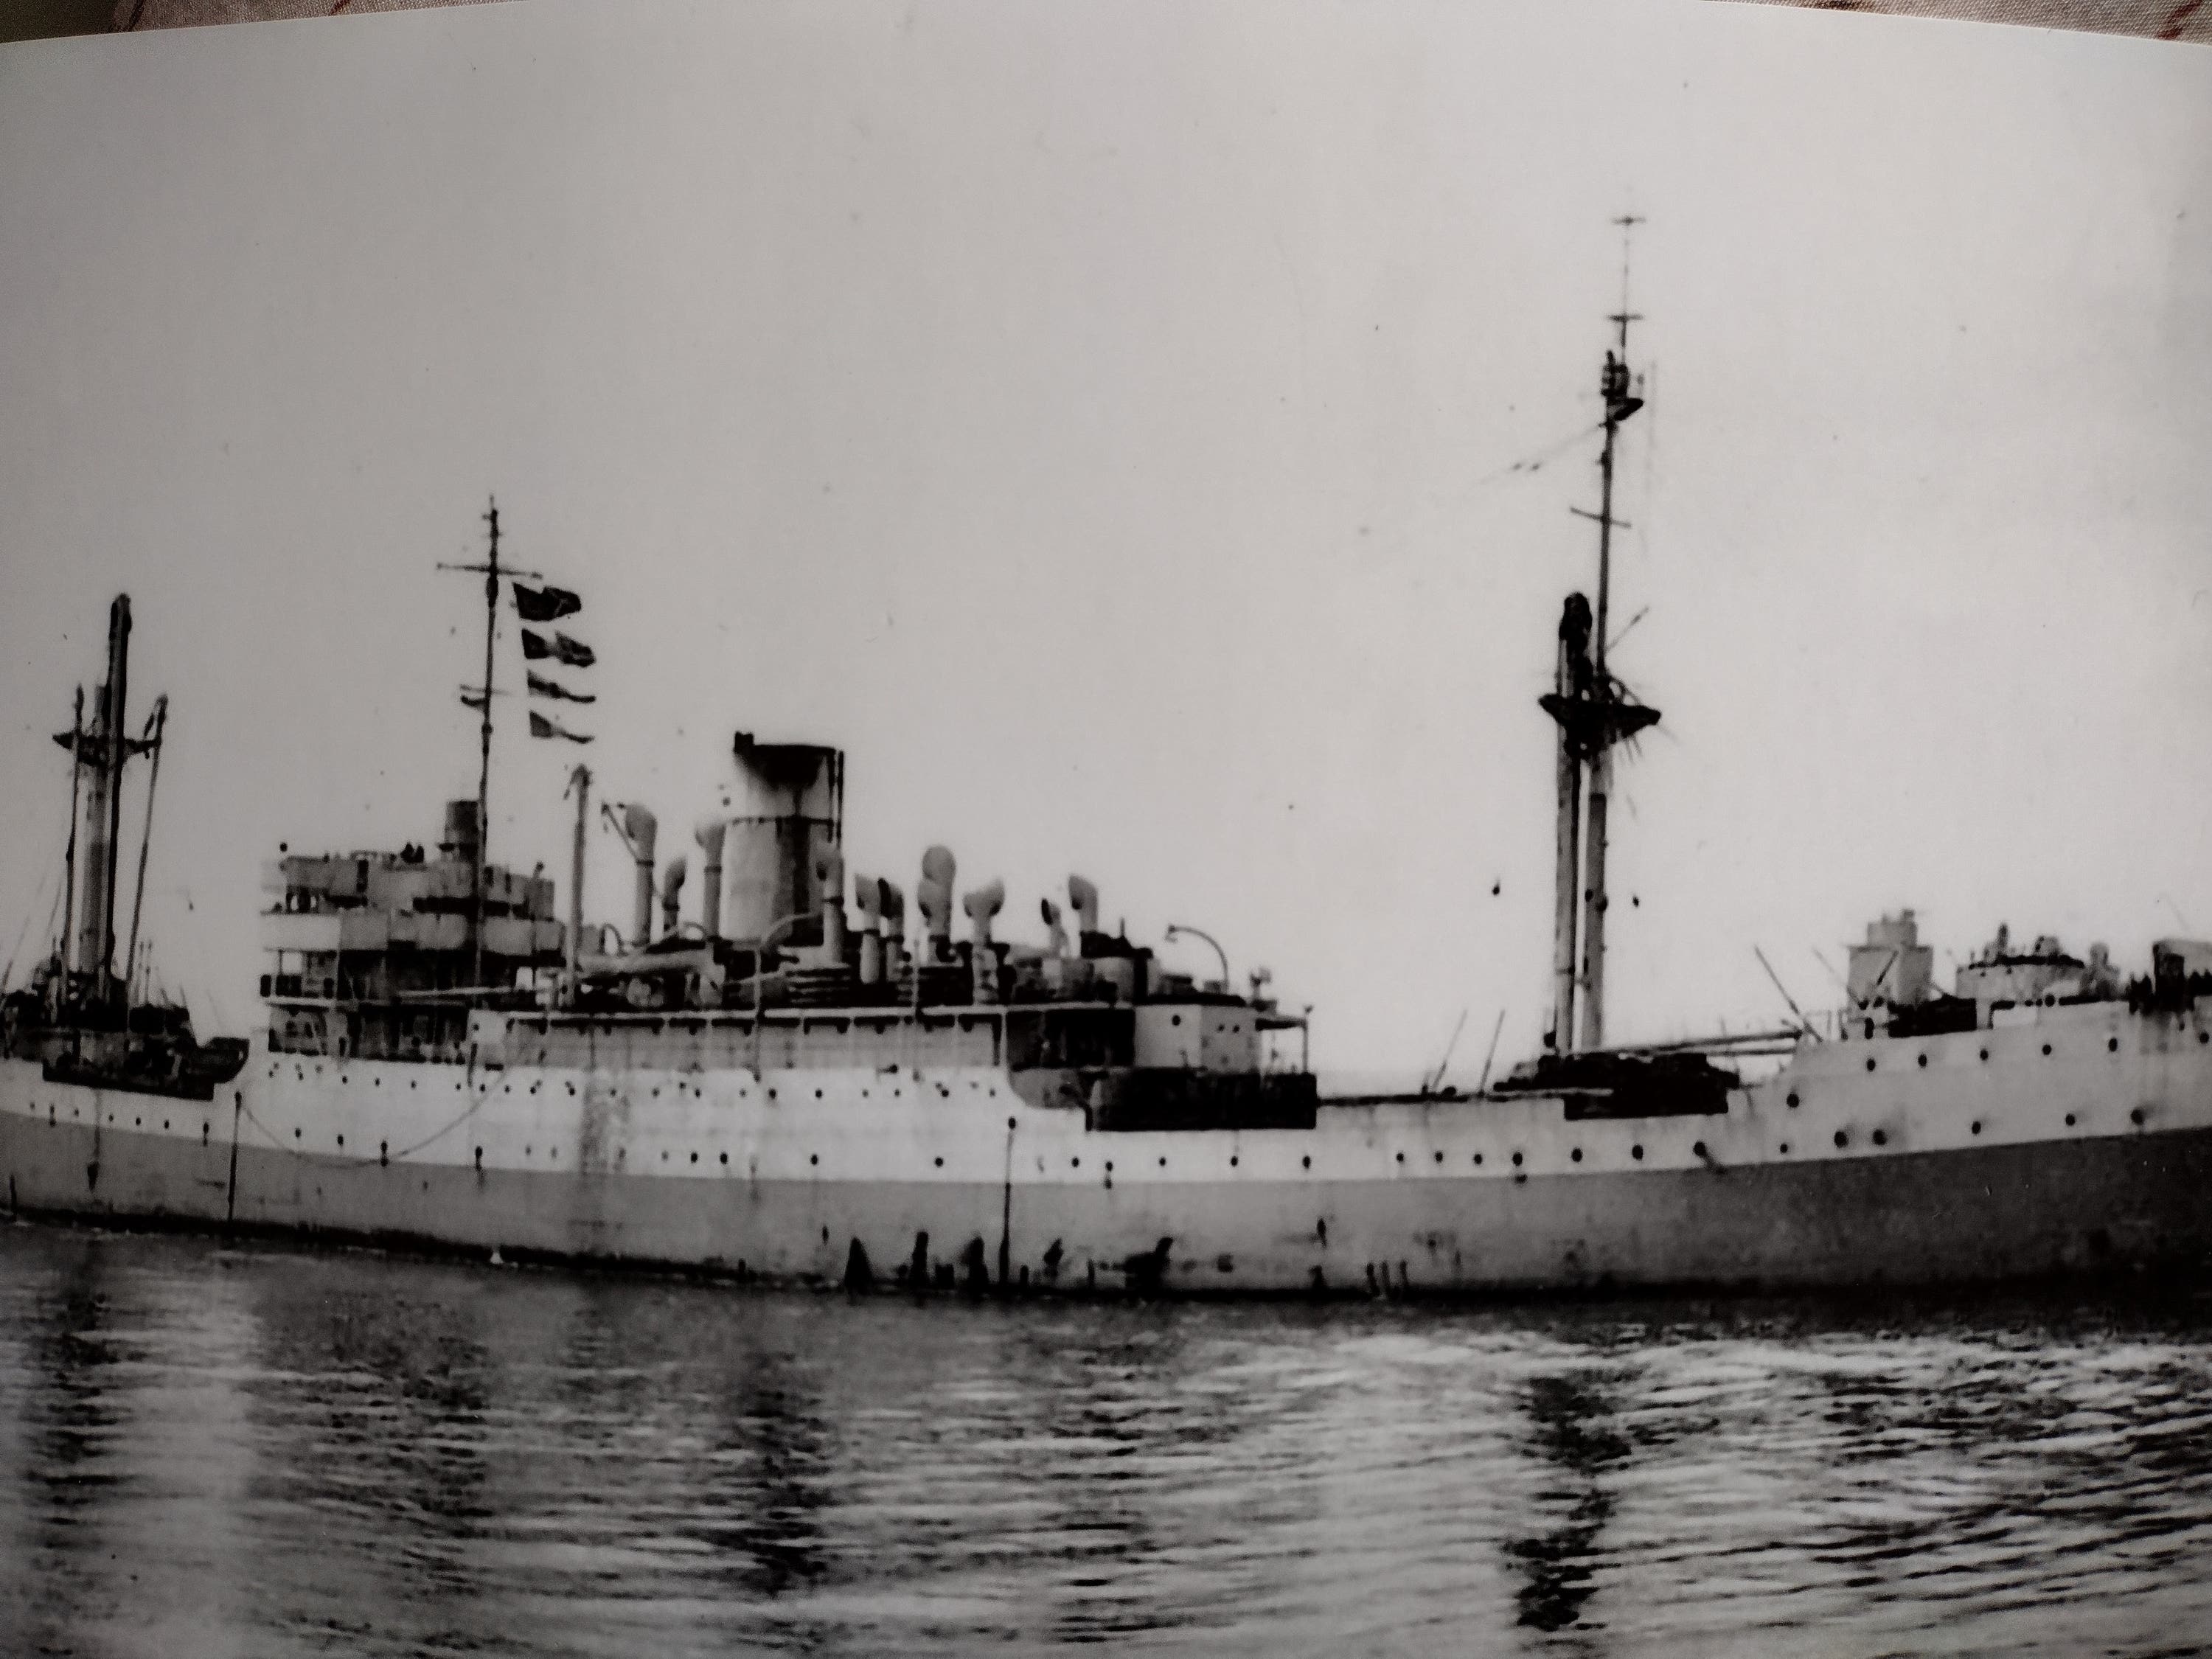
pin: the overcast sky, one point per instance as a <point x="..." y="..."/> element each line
<point x="1098" y="419"/>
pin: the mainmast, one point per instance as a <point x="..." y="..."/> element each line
<point x="1594" y="712"/>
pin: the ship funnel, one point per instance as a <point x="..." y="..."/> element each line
<point x="830" y="882"/>
<point x="708" y="834"/>
<point x="1056" y="933"/>
<point x="671" y="895"/>
<point x="1083" y="898"/>
<point x="639" y="830"/>
<point x="868" y="907"/>
<point x="933" y="896"/>
<point x="789" y="802"/>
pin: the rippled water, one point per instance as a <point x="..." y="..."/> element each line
<point x="206" y="1449"/>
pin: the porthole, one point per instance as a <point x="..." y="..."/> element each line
<point x="1698" y="1148"/>
<point x="1305" y="1162"/>
<point x="1975" y="1127"/>
<point x="1870" y="1062"/>
<point x="1110" y="1166"/>
<point x="817" y="1094"/>
<point x="1163" y="1164"/>
<point x="2112" y="1045"/>
<point x="1516" y="1160"/>
<point x="1793" y="1101"/>
<point x="940" y="1162"/>
<point x="1232" y="1160"/>
<point x="1401" y="1157"/>
<point x="1881" y="1138"/>
<point x="2136" y="1117"/>
<point x="1577" y="1155"/>
<point x="725" y="1157"/>
<point x="1842" y="1140"/>
<point x="2070" y="1120"/>
<point x="1477" y="1158"/>
<point x="2046" y="1050"/>
<point x="1075" y="1163"/>
<point x="295" y="1134"/>
<point x="340" y="1138"/>
<point x="1440" y="1157"/>
<point x="1985" y="1054"/>
<point x="695" y="1157"/>
<point x="1175" y="1019"/>
<point x="664" y="1156"/>
<point x="814" y="1158"/>
<point x="1923" y="1062"/>
<point x="2204" y="1036"/>
<point x="1785" y="1149"/>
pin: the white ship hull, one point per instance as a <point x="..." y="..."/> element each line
<point x="1934" y="1164"/>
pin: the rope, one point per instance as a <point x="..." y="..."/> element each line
<point x="53" y="915"/>
<point x="1543" y="457"/>
<point x="338" y="1159"/>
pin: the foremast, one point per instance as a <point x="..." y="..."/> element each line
<point x="479" y="698"/>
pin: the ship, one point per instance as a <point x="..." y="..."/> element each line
<point x="804" y="1082"/>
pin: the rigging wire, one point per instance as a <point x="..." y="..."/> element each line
<point x="1538" y="459"/>
<point x="53" y="916"/>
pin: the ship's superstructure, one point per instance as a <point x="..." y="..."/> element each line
<point x="806" y="1079"/>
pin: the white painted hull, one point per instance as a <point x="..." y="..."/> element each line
<point x="1935" y="1166"/>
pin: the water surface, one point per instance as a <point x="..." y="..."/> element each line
<point x="207" y="1450"/>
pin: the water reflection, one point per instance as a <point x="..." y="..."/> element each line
<point x="1572" y="1416"/>
<point x="346" y="1454"/>
<point x="70" y="1412"/>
